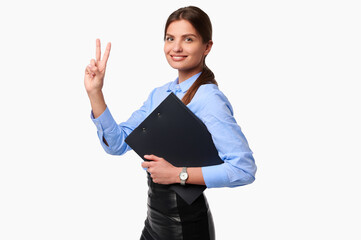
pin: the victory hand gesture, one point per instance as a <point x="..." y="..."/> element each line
<point x="95" y="71"/>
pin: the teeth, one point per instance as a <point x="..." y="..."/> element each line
<point x="177" y="58"/>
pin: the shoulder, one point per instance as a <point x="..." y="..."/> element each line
<point x="212" y="100"/>
<point x="157" y="95"/>
<point x="211" y="91"/>
<point x="162" y="88"/>
<point x="160" y="92"/>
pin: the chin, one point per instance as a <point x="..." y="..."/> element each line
<point x="176" y="65"/>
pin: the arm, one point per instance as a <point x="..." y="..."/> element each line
<point x="238" y="168"/>
<point x="94" y="80"/>
<point x="111" y="135"/>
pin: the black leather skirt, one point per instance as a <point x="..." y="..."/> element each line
<point x="169" y="217"/>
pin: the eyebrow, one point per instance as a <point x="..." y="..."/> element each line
<point x="184" y="35"/>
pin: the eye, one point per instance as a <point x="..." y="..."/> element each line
<point x="189" y="39"/>
<point x="169" y="39"/>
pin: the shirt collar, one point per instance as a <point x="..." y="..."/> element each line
<point x="185" y="85"/>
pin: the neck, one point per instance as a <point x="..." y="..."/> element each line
<point x="184" y="75"/>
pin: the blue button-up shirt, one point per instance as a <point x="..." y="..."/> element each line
<point x="211" y="106"/>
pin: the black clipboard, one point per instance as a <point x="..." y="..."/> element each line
<point x="172" y="131"/>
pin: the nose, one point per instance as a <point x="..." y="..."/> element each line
<point x="177" y="46"/>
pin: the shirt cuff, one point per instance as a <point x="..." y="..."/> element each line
<point x="215" y="176"/>
<point x="105" y="122"/>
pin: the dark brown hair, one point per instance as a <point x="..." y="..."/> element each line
<point x="201" y="22"/>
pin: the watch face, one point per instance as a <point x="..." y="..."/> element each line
<point x="183" y="176"/>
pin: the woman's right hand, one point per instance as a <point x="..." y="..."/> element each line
<point x="95" y="71"/>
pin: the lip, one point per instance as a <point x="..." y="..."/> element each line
<point x="178" y="58"/>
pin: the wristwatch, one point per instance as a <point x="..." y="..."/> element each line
<point x="183" y="176"/>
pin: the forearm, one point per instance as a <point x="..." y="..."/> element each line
<point x="163" y="172"/>
<point x="111" y="135"/>
<point x="97" y="103"/>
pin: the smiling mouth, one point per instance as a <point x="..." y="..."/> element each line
<point x="178" y="57"/>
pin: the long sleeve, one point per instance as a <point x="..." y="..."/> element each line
<point x="239" y="166"/>
<point x="214" y="109"/>
<point x="115" y="134"/>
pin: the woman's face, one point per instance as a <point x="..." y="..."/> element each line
<point x="184" y="48"/>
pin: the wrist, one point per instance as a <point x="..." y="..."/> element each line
<point x="177" y="172"/>
<point x="97" y="103"/>
<point x="95" y="93"/>
<point x="183" y="176"/>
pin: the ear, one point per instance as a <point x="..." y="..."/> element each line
<point x="208" y="47"/>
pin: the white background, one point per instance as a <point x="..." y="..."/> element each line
<point x="291" y="70"/>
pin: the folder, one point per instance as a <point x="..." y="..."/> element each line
<point x="172" y="131"/>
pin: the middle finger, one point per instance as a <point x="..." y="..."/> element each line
<point x="106" y="53"/>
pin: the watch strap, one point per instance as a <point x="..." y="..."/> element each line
<point x="183" y="181"/>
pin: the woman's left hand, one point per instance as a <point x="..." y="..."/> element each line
<point x="161" y="171"/>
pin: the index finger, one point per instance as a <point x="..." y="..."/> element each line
<point x="153" y="157"/>
<point x="97" y="51"/>
<point x="106" y="53"/>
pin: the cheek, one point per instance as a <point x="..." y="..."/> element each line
<point x="167" y="48"/>
<point x="195" y="51"/>
<point x="197" y="55"/>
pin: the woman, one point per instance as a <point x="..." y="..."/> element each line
<point x="188" y="40"/>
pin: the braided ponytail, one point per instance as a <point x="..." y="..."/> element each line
<point x="206" y="77"/>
